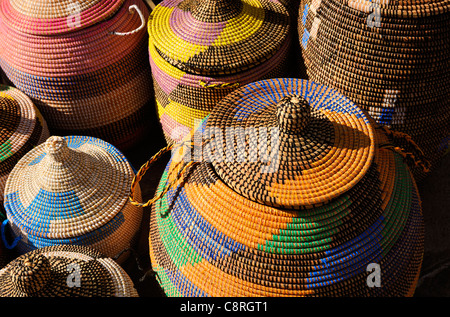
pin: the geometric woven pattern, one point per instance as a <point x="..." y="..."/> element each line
<point x="374" y="53"/>
<point x="84" y="79"/>
<point x="199" y="52"/>
<point x="72" y="190"/>
<point x="206" y="239"/>
<point x="65" y="271"/>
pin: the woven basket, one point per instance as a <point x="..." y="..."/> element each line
<point x="21" y="129"/>
<point x="200" y="51"/>
<point x="84" y="63"/>
<point x="65" y="271"/>
<point x="390" y="58"/>
<point x="325" y="200"/>
<point x="72" y="190"/>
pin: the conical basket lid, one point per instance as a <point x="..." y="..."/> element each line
<point x="67" y="187"/>
<point x="289" y="142"/>
<point x="65" y="271"/>
<point x="49" y="17"/>
<point x="216" y="37"/>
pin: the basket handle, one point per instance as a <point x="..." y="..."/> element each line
<point x="135" y="7"/>
<point x="418" y="158"/>
<point x="144" y="168"/>
<point x="218" y="86"/>
<point x="5" y="242"/>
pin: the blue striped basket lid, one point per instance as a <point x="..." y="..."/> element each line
<point x="71" y="190"/>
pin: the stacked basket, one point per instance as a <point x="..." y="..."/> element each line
<point x="72" y="190"/>
<point x="21" y="129"/>
<point x="200" y="51"/>
<point x="84" y="63"/>
<point x="390" y="57"/>
<point x="65" y="271"/>
<point x="324" y="202"/>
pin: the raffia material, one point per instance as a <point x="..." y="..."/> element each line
<point x="206" y="239"/>
<point x="199" y="52"/>
<point x="73" y="190"/>
<point x="48" y="272"/>
<point x="21" y="129"/>
<point x="396" y="71"/>
<point x="84" y="77"/>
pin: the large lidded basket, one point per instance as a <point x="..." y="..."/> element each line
<point x="65" y="271"/>
<point x="21" y="129"/>
<point x="200" y="51"/>
<point x="389" y="57"/>
<point x="84" y="64"/>
<point x="72" y="190"/>
<point x="298" y="194"/>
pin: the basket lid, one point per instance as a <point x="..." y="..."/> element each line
<point x="17" y="121"/>
<point x="67" y="187"/>
<point x="217" y="37"/>
<point x="50" y="17"/>
<point x="300" y="143"/>
<point x="62" y="271"/>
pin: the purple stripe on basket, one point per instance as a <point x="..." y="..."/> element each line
<point x="193" y="31"/>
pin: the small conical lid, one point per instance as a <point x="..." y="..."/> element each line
<point x="216" y="37"/>
<point x="67" y="187"/>
<point x="50" y="17"/>
<point x="289" y="142"/>
<point x="63" y="271"/>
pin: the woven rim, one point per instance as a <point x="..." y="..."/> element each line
<point x="67" y="187"/>
<point x="313" y="164"/>
<point x="47" y="272"/>
<point x="207" y="37"/>
<point x="54" y="17"/>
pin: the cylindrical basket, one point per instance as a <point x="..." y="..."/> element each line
<point x="65" y="271"/>
<point x="319" y="203"/>
<point x="72" y="190"/>
<point x="21" y="129"/>
<point x="84" y="64"/>
<point x="389" y="57"/>
<point x="200" y="51"/>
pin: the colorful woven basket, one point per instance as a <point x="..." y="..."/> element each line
<point x="21" y="129"/>
<point x="202" y="50"/>
<point x="325" y="200"/>
<point x="72" y="190"/>
<point x="389" y="57"/>
<point x="65" y="271"/>
<point x="84" y="64"/>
